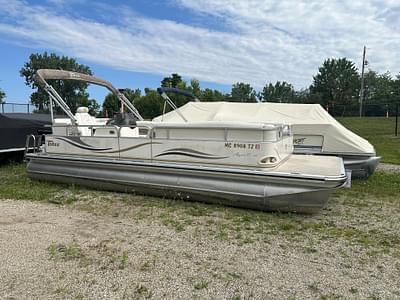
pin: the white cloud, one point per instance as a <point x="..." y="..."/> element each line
<point x="268" y="40"/>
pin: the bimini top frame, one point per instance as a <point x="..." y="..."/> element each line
<point x="44" y="74"/>
<point x="163" y="93"/>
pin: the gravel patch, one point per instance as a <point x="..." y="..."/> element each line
<point x="388" y="168"/>
<point x="49" y="251"/>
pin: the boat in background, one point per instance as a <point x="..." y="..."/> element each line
<point x="315" y="130"/>
<point x="13" y="131"/>
<point x="240" y="164"/>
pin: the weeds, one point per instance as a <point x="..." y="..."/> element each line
<point x="201" y="285"/>
<point x="65" y="252"/>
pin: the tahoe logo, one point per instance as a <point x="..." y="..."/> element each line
<point x="51" y="143"/>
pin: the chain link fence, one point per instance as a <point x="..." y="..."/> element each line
<point x="11" y="107"/>
<point x="369" y="110"/>
<point x="385" y="110"/>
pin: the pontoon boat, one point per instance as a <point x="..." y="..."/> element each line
<point x="315" y="130"/>
<point x="233" y="163"/>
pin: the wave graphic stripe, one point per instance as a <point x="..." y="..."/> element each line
<point x="82" y="145"/>
<point x="190" y="153"/>
<point x="131" y="147"/>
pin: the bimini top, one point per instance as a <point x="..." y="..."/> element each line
<point x="307" y="119"/>
<point x="48" y="74"/>
<point x="43" y="74"/>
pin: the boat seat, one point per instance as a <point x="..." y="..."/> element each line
<point x="83" y="118"/>
<point x="123" y="119"/>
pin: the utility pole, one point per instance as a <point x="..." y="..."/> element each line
<point x="362" y="82"/>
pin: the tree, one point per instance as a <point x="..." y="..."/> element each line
<point x="150" y="105"/>
<point x="243" y="92"/>
<point x="195" y="87"/>
<point x="278" y="92"/>
<point x="379" y="88"/>
<point x="172" y="82"/>
<point x="396" y="88"/>
<point x="2" y="96"/>
<point x="337" y="82"/>
<point x="212" y="95"/>
<point x="92" y="105"/>
<point x="112" y="104"/>
<point x="379" y="93"/>
<point x="175" y="81"/>
<point x="73" y="92"/>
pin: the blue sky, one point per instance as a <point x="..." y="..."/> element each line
<point x="136" y="43"/>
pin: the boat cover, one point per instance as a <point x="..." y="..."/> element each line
<point x="13" y="131"/>
<point x="306" y="119"/>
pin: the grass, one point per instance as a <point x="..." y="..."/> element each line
<point x="201" y="285"/>
<point x="16" y="185"/>
<point x="379" y="131"/>
<point x="382" y="186"/>
<point x="103" y="255"/>
<point x="65" y="252"/>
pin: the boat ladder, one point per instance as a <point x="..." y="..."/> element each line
<point x="35" y="145"/>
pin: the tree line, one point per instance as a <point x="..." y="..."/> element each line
<point x="336" y="86"/>
<point x="2" y="96"/>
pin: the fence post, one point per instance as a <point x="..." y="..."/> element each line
<point x="397" y="117"/>
<point x="2" y="107"/>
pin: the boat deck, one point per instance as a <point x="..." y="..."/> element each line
<point x="306" y="164"/>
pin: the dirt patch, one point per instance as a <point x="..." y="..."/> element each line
<point x="117" y="250"/>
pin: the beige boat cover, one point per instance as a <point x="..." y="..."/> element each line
<point x="306" y="119"/>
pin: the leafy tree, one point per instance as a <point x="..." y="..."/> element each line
<point x="396" y="88"/>
<point x="195" y="88"/>
<point x="379" y="87"/>
<point x="150" y="105"/>
<point x="212" y="95"/>
<point x="337" y="82"/>
<point x="305" y="96"/>
<point x="173" y="81"/>
<point x="379" y="93"/>
<point x="278" y="92"/>
<point x="92" y="105"/>
<point x="2" y="96"/>
<point x="73" y="92"/>
<point x="112" y="105"/>
<point x="243" y="92"/>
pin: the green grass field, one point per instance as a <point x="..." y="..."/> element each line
<point x="378" y="131"/>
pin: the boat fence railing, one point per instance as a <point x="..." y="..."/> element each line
<point x="12" y="107"/>
<point x="71" y="129"/>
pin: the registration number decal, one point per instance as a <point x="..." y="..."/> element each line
<point x="250" y="146"/>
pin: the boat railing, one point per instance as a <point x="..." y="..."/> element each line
<point x="35" y="145"/>
<point x="71" y="129"/>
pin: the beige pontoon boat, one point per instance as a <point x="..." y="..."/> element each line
<point x="315" y="130"/>
<point x="233" y="163"/>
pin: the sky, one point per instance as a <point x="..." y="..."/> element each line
<point x="136" y="43"/>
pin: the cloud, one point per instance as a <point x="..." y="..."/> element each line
<point x="267" y="40"/>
